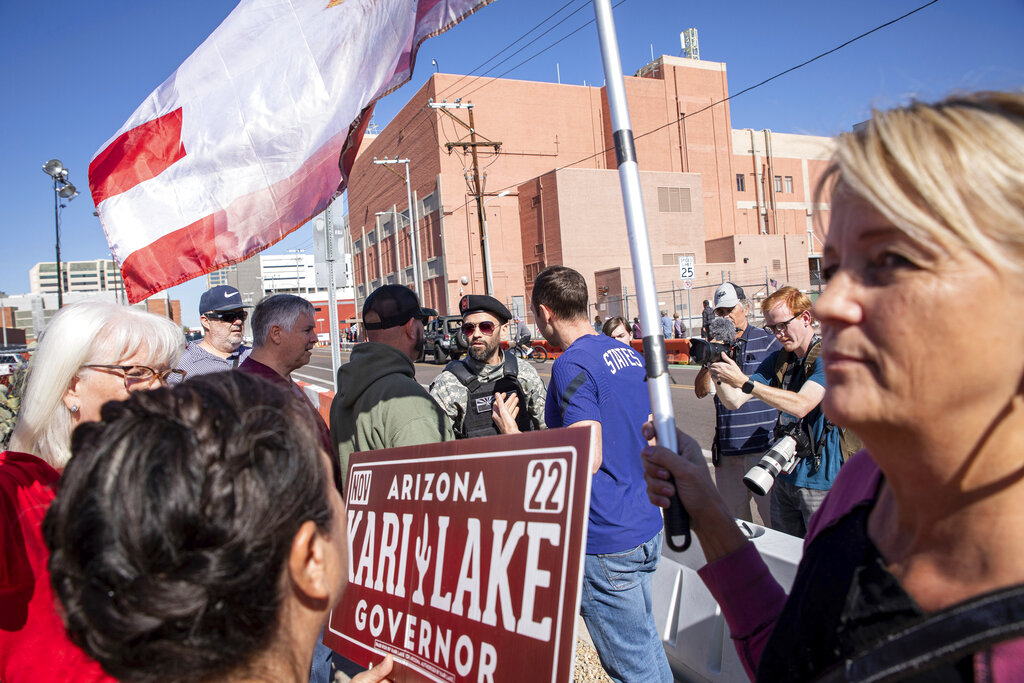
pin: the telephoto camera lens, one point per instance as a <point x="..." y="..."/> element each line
<point x="762" y="475"/>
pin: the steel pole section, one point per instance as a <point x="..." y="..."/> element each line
<point x="56" y="223"/>
<point x="332" y="295"/>
<point x="416" y="276"/>
<point x="677" y="527"/>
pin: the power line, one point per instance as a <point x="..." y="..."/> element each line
<point x="680" y="118"/>
<point x="542" y="22"/>
<point x="539" y="53"/>
<point x="749" y="88"/>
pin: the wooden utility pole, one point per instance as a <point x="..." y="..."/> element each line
<point x="475" y="181"/>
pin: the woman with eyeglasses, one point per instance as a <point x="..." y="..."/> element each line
<point x="911" y="568"/>
<point x="89" y="354"/>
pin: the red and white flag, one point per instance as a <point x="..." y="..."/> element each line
<point x="255" y="132"/>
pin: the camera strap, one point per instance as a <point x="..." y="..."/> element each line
<point x="941" y="638"/>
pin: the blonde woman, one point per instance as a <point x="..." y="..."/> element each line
<point x="919" y="537"/>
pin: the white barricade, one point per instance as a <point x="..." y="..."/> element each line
<point x="692" y="628"/>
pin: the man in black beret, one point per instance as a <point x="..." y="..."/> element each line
<point x="489" y="391"/>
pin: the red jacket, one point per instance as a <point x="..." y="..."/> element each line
<point x="34" y="647"/>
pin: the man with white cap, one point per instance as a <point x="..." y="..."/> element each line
<point x="744" y="434"/>
<point x="222" y="315"/>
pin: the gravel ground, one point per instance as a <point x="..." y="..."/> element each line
<point x="587" y="668"/>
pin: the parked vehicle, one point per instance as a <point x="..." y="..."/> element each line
<point x="444" y="340"/>
<point x="10" y="362"/>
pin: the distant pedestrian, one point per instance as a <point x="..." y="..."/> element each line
<point x="597" y="324"/>
<point x="666" y="325"/>
<point x="636" y="328"/>
<point x="706" y="316"/>
<point x="678" y="327"/>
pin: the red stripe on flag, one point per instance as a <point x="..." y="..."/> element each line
<point x="136" y="155"/>
<point x="212" y="242"/>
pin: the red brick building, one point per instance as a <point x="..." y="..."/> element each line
<point x="739" y="201"/>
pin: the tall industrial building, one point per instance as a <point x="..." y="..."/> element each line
<point x="100" y="275"/>
<point x="739" y="202"/>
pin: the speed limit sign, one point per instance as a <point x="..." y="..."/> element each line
<point x="686" y="268"/>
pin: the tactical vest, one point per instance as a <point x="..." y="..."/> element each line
<point x="849" y="442"/>
<point x="477" y="420"/>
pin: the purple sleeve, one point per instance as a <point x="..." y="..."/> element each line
<point x="750" y="597"/>
<point x="751" y="600"/>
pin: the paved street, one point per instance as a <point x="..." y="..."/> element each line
<point x="692" y="416"/>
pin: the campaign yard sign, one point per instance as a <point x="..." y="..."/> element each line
<point x="465" y="558"/>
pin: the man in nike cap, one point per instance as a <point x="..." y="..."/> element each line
<point x="222" y="315"/>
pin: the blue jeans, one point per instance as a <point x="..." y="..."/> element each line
<point x="616" y="607"/>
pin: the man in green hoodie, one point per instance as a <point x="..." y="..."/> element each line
<point x="379" y="403"/>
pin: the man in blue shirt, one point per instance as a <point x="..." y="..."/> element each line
<point x="796" y="391"/>
<point x="598" y="381"/>
<point x="744" y="434"/>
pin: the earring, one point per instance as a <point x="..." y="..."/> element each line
<point x="73" y="409"/>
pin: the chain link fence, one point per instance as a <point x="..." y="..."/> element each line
<point x="689" y="303"/>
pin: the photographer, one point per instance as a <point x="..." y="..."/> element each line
<point x="741" y="435"/>
<point x="783" y="382"/>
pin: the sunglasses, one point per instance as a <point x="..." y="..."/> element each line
<point x="486" y="328"/>
<point x="229" y="317"/>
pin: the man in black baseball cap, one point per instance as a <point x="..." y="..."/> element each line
<point x="379" y="403"/>
<point x="489" y="391"/>
<point x="393" y="305"/>
<point x="222" y="315"/>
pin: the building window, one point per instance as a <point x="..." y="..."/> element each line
<point x="789" y="184"/>
<point x="740" y="185"/>
<point x="674" y="200"/>
<point x="778" y="183"/>
<point x="357" y="246"/>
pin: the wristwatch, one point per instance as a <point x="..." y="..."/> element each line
<point x="748" y="387"/>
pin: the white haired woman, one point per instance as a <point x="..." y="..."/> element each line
<point x="912" y="567"/>
<point x="89" y="354"/>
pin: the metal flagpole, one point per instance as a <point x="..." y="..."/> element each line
<point x="332" y="296"/>
<point x="677" y="523"/>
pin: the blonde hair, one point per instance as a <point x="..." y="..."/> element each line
<point x="949" y="173"/>
<point x="81" y="334"/>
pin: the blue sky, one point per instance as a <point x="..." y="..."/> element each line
<point x="73" y="72"/>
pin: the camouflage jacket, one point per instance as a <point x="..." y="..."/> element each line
<point x="453" y="396"/>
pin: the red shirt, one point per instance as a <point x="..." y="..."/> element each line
<point x="34" y="647"/>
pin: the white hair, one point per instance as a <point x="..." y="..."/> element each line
<point x="91" y="332"/>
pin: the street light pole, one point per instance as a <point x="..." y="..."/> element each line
<point x="489" y="279"/>
<point x="416" y="276"/>
<point x="62" y="189"/>
<point x="3" y="316"/>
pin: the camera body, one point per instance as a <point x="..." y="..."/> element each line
<point x="703" y="352"/>
<point x="791" y="443"/>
